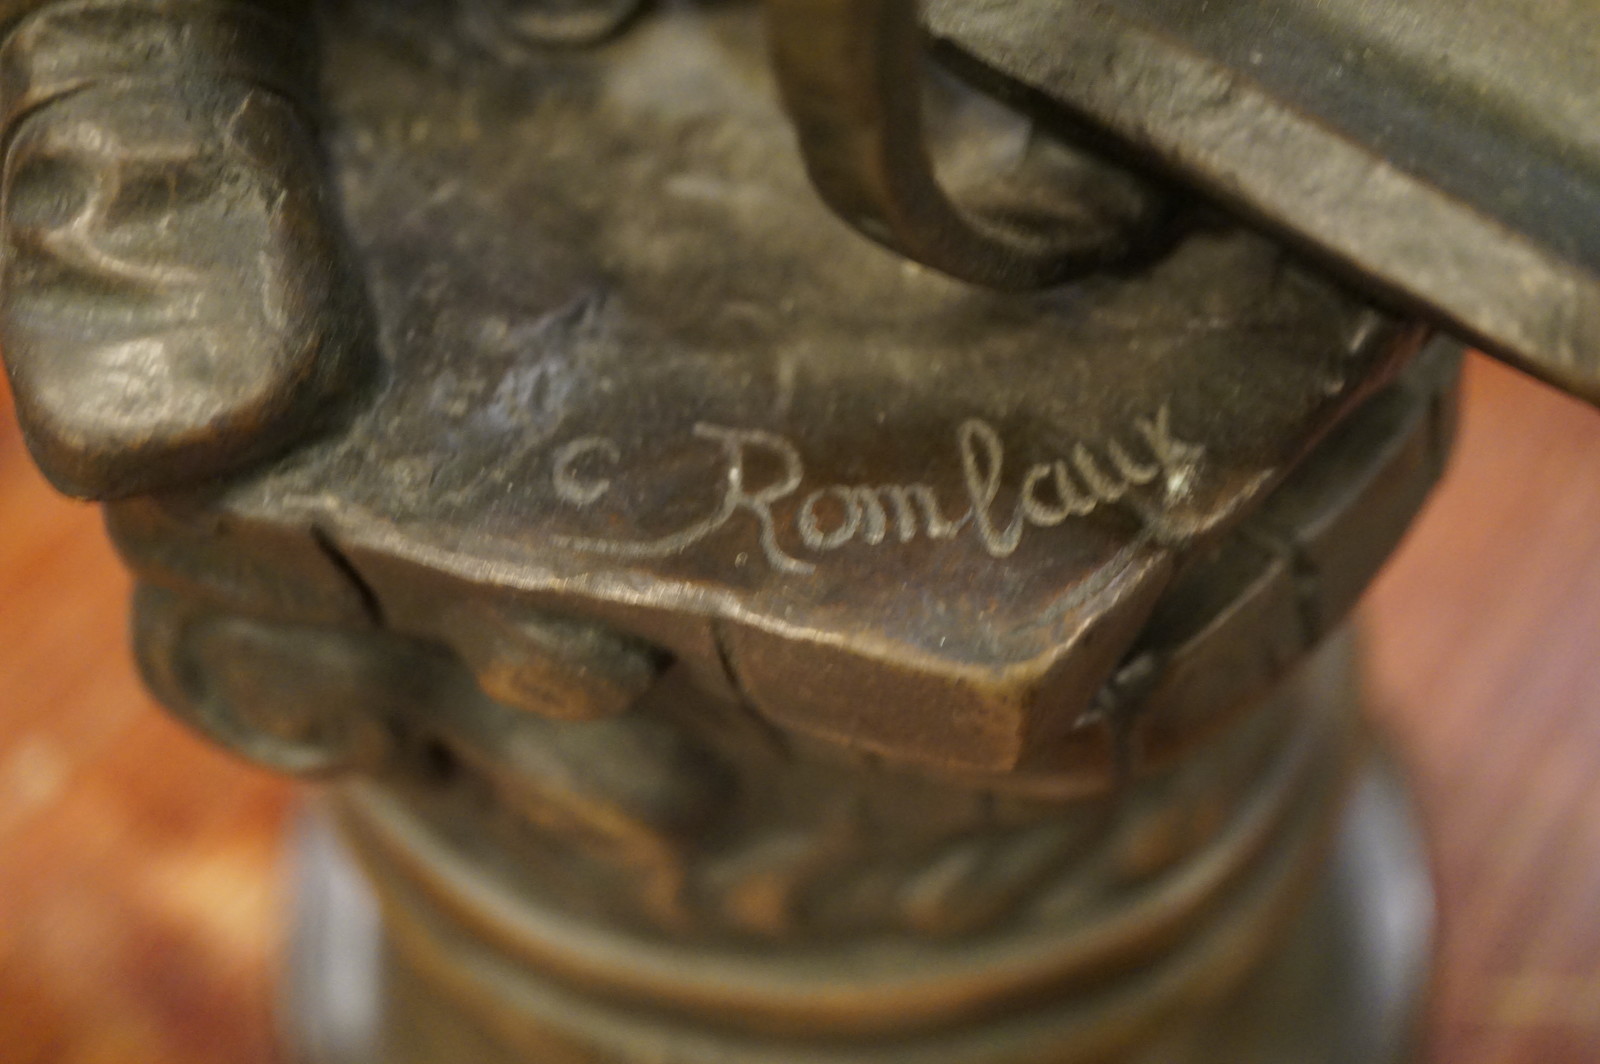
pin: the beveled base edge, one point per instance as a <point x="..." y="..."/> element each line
<point x="1347" y="987"/>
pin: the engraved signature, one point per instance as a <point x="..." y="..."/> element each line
<point x="833" y="515"/>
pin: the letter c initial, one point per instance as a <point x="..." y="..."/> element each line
<point x="569" y="486"/>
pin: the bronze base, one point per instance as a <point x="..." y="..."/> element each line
<point x="1346" y="988"/>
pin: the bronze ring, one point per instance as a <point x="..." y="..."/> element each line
<point x="850" y="73"/>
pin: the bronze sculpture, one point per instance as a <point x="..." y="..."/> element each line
<point x="753" y="647"/>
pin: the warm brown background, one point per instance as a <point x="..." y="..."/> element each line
<point x="141" y="874"/>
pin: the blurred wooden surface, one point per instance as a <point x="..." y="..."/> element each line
<point x="141" y="892"/>
<point x="1485" y="653"/>
<point x="140" y="885"/>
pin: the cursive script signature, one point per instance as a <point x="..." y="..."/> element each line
<point x="833" y="515"/>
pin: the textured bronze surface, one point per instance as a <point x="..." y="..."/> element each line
<point x="175" y="298"/>
<point x="732" y="639"/>
<point x="1360" y="968"/>
<point x="115" y="820"/>
<point x="1442" y="155"/>
<point x="854" y="77"/>
<point x="736" y="624"/>
<point x="754" y="440"/>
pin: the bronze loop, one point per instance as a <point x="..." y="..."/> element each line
<point x="850" y="73"/>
